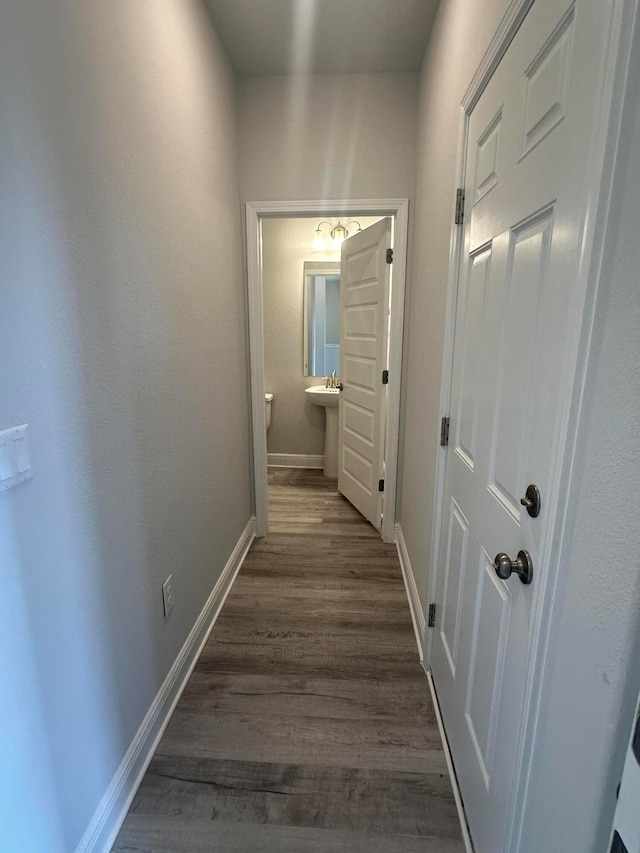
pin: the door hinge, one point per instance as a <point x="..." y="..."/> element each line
<point x="385" y="377"/>
<point x="381" y="485"/>
<point x="432" y="615"/>
<point x="459" y="206"/>
<point x="444" y="431"/>
<point x="389" y="256"/>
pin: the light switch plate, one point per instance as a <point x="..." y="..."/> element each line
<point x="15" y="459"/>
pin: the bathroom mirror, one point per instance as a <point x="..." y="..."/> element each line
<point x="321" y="284"/>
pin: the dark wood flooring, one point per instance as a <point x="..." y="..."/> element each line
<point x="307" y="723"/>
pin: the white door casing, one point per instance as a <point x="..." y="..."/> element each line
<point x="364" y="333"/>
<point x="255" y="211"/>
<point x="529" y="149"/>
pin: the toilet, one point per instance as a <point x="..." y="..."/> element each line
<point x="268" y="399"/>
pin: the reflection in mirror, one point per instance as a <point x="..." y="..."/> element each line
<point x="321" y="318"/>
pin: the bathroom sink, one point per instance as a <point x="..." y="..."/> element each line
<point x="321" y="396"/>
<point x="328" y="398"/>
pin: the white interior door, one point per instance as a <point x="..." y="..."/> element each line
<point x="364" y="332"/>
<point x="520" y="300"/>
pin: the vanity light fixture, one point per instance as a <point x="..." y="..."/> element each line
<point x="338" y="233"/>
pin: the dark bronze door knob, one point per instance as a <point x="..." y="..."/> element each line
<point x="522" y="566"/>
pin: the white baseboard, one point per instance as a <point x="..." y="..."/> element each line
<point x="294" y="460"/>
<point x="468" y="845"/>
<point x="112" y="810"/>
<point x="415" y="605"/>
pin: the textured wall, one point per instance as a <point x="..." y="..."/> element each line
<point x="297" y="426"/>
<point x="327" y="136"/>
<point x="122" y="323"/>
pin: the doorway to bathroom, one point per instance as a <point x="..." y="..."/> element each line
<point x="290" y="336"/>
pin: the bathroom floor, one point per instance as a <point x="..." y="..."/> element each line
<point x="307" y="723"/>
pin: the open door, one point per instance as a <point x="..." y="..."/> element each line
<point x="364" y="334"/>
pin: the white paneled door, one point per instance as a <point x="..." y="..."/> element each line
<point x="520" y="300"/>
<point x="364" y="333"/>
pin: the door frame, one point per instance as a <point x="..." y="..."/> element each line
<point x="256" y="211"/>
<point x="595" y="234"/>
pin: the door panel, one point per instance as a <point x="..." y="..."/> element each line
<point x="359" y="422"/>
<point x="360" y="374"/>
<point x="513" y="369"/>
<point x="454" y="573"/>
<point x="547" y="84"/>
<point x="361" y="321"/>
<point x="468" y="402"/>
<point x="488" y="649"/>
<point x="524" y="289"/>
<point x="364" y="301"/>
<point x="487" y="158"/>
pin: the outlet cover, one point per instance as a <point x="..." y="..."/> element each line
<point x="167" y="596"/>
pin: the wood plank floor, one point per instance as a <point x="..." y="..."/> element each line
<point x="307" y="723"/>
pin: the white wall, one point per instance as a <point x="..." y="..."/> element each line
<point x="297" y="426"/>
<point x="327" y="136"/>
<point x="122" y="323"/>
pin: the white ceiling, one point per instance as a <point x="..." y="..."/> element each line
<point x="323" y="36"/>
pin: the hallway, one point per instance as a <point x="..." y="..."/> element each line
<point x="307" y="723"/>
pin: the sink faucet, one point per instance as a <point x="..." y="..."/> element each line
<point x="332" y="381"/>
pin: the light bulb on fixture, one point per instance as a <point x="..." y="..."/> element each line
<point x="339" y="234"/>
<point x="319" y="240"/>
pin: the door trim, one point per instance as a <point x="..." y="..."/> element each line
<point x="595" y="234"/>
<point x="255" y="211"/>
